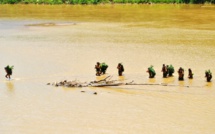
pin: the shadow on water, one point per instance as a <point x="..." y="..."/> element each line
<point x="168" y="80"/>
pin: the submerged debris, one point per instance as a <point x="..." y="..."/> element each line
<point x="66" y="83"/>
<point x="104" y="83"/>
<point x="76" y="83"/>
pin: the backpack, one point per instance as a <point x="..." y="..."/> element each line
<point x="123" y="68"/>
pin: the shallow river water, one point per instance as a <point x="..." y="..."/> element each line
<point x="48" y="43"/>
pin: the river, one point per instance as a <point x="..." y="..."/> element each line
<point x="48" y="43"/>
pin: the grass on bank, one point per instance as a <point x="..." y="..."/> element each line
<point x="103" y="1"/>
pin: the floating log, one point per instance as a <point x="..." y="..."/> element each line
<point x="101" y="80"/>
<point x="105" y="85"/>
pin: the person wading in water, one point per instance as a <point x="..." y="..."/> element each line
<point x="190" y="74"/>
<point x="98" y="69"/>
<point x="164" y="70"/>
<point x="171" y="70"/>
<point x="120" y="68"/>
<point x="181" y="74"/>
<point x="8" y="71"/>
<point x="151" y="72"/>
<point x="208" y="75"/>
<point x="103" y="67"/>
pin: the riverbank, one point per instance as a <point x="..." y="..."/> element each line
<point x="95" y="2"/>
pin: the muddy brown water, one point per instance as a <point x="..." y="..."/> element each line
<point x="48" y="43"/>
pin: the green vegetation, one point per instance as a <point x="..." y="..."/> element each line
<point x="103" y="1"/>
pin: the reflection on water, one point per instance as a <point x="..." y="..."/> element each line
<point x="181" y="83"/>
<point x="168" y="80"/>
<point x="209" y="85"/>
<point x="10" y="86"/>
<point x="121" y="78"/>
<point x="190" y="82"/>
<point x="152" y="80"/>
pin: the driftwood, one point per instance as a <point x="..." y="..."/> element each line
<point x="166" y="84"/>
<point x="105" y="82"/>
<point x="140" y="84"/>
<point x="75" y="83"/>
<point x="66" y="83"/>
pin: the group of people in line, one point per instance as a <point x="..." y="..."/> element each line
<point x="167" y="70"/>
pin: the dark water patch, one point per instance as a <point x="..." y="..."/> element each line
<point x="7" y="24"/>
<point x="52" y="24"/>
